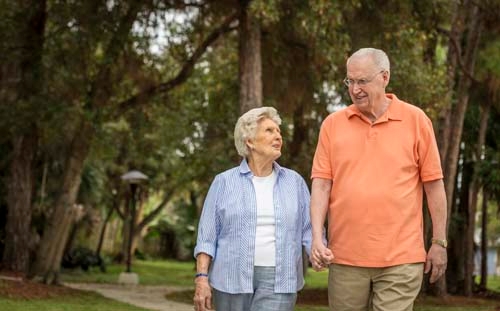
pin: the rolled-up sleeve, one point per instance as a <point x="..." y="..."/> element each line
<point x="208" y="227"/>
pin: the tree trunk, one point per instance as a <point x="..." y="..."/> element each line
<point x="16" y="256"/>
<point x="103" y="232"/>
<point x="27" y="68"/>
<point x="250" y="62"/>
<point x="484" y="242"/>
<point x="458" y="24"/>
<point x="474" y="191"/>
<point x="456" y="260"/>
<point x="445" y="114"/>
<point x="56" y="233"/>
<point x="457" y="112"/>
<point x="469" y="236"/>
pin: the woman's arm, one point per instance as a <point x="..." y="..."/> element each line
<point x="203" y="292"/>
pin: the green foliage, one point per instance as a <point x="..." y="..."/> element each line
<point x="489" y="171"/>
<point x="176" y="229"/>
<point x="489" y="59"/>
<point x="266" y="10"/>
<point x="182" y="138"/>
<point x="407" y="32"/>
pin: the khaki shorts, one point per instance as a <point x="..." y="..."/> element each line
<point x="379" y="289"/>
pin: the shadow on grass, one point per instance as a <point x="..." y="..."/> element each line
<point x="307" y="297"/>
<point x="319" y="297"/>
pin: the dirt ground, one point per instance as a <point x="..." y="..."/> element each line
<point x="12" y="287"/>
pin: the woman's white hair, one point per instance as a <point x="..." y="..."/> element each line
<point x="246" y="127"/>
<point x="379" y="57"/>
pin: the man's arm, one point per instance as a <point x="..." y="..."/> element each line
<point x="321" y="256"/>
<point x="436" y="200"/>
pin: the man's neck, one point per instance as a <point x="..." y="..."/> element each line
<point x="377" y="110"/>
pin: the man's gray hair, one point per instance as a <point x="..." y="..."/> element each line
<point x="379" y="57"/>
<point x="246" y="126"/>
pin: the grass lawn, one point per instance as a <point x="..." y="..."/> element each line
<point x="150" y="273"/>
<point x="82" y="302"/>
<point x="30" y="296"/>
<point x="494" y="283"/>
<point x="312" y="298"/>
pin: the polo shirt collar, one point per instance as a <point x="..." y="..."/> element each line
<point x="394" y="111"/>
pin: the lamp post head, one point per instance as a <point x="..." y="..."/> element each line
<point x="134" y="177"/>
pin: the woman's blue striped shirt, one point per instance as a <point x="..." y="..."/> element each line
<point x="227" y="227"/>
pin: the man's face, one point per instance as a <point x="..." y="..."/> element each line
<point x="366" y="82"/>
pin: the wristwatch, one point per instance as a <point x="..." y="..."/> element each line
<point x="440" y="242"/>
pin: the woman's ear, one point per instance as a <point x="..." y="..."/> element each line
<point x="249" y="143"/>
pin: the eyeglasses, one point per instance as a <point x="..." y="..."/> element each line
<point x="361" y="82"/>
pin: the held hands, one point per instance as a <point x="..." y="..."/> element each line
<point x="321" y="256"/>
<point x="436" y="261"/>
<point x="202" y="294"/>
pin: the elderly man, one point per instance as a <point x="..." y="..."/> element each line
<point x="372" y="163"/>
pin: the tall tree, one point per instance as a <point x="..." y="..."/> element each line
<point x="102" y="66"/>
<point x="299" y="72"/>
<point x="467" y="28"/>
<point x="22" y="59"/>
<point x="250" y="59"/>
<point x="57" y="230"/>
<point x="464" y="56"/>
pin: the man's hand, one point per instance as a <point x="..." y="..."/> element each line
<point x="437" y="259"/>
<point x="321" y="256"/>
<point x="202" y="295"/>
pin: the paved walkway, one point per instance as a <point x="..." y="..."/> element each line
<point x="148" y="297"/>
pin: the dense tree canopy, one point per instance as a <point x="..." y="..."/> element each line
<point x="92" y="89"/>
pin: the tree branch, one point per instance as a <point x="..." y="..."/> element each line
<point x="457" y="48"/>
<point x="184" y="73"/>
<point x="97" y="93"/>
<point x="152" y="215"/>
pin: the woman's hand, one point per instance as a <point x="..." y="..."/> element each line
<point x="202" y="294"/>
<point x="321" y="256"/>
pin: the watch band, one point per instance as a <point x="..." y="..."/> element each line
<point x="442" y="243"/>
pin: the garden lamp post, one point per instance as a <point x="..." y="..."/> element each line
<point x="133" y="178"/>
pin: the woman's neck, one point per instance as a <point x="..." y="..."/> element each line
<point x="260" y="168"/>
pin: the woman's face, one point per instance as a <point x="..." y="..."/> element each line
<point x="267" y="141"/>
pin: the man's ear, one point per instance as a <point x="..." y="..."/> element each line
<point x="387" y="77"/>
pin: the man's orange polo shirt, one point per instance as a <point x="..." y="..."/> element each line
<point x="375" y="210"/>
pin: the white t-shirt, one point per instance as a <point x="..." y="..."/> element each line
<point x="265" y="238"/>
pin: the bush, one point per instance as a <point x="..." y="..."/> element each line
<point x="84" y="258"/>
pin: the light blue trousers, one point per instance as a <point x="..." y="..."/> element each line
<point x="263" y="298"/>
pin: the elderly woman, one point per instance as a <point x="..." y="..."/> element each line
<point x="254" y="222"/>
